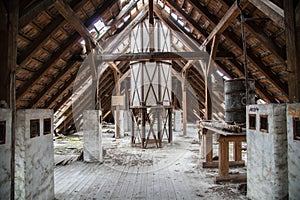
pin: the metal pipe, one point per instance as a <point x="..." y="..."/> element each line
<point x="244" y="50"/>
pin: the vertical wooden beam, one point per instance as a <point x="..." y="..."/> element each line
<point x="170" y="125"/>
<point x="208" y="147"/>
<point x="95" y="81"/>
<point x="151" y="15"/>
<point x="184" y="103"/>
<point x="118" y="93"/>
<point x="293" y="62"/>
<point x="9" y="17"/>
<point x="238" y="151"/>
<point x="223" y="157"/>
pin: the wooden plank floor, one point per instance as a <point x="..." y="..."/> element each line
<point x="172" y="172"/>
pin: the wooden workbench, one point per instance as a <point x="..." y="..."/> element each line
<point x="223" y="163"/>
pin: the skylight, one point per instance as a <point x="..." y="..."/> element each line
<point x="126" y="18"/>
<point x="160" y="3"/>
<point x="225" y="78"/>
<point x="133" y="11"/>
<point x="174" y="16"/>
<point x="181" y="22"/>
<point x="82" y="42"/>
<point x="99" y="25"/>
<point x="120" y="25"/>
<point x="187" y="29"/>
<point x="220" y="73"/>
<point x="168" y="9"/>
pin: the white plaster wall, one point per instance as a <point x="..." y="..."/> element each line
<point x="92" y="136"/>
<point x="177" y="120"/>
<point x="293" y="110"/>
<point x="5" y="156"/>
<point x="34" y="157"/>
<point x="267" y="154"/>
<point x="121" y="122"/>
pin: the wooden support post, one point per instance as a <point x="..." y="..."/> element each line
<point x="184" y="104"/>
<point x="292" y="41"/>
<point x="223" y="157"/>
<point x="95" y="81"/>
<point x="159" y="127"/>
<point x="170" y="125"/>
<point x="238" y="151"/>
<point x="208" y="147"/>
<point x="151" y="26"/>
<point x="118" y="93"/>
<point x="132" y="128"/>
<point x="9" y="17"/>
<point x="143" y="110"/>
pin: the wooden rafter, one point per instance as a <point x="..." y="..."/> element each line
<point x="38" y="42"/>
<point x="33" y="103"/>
<point x="56" y="55"/>
<point x="32" y="11"/>
<point x="66" y="11"/>
<point x="43" y="70"/>
<point x="163" y="16"/>
<point x="275" y="13"/>
<point x="223" y="24"/>
<point x="238" y="44"/>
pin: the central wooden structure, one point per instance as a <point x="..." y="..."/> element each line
<point x="151" y="85"/>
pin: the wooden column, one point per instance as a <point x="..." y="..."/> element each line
<point x="170" y="125"/>
<point x="208" y="139"/>
<point x="208" y="147"/>
<point x="159" y="126"/>
<point x="292" y="36"/>
<point x="118" y="93"/>
<point x="238" y="151"/>
<point x="184" y="103"/>
<point x="224" y="157"/>
<point x="9" y="17"/>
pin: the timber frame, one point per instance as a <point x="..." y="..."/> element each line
<point x="49" y="58"/>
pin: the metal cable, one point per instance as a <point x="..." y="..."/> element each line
<point x="244" y="50"/>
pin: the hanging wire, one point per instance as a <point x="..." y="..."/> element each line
<point x="239" y="2"/>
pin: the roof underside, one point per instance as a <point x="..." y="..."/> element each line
<point x="50" y="53"/>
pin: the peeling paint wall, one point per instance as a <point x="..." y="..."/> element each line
<point x="92" y="136"/>
<point x="34" y="176"/>
<point x="5" y="156"/>
<point x="293" y="111"/>
<point x="267" y="153"/>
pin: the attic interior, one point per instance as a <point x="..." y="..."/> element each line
<point x="150" y="99"/>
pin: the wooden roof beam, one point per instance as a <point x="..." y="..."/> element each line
<point x="226" y="20"/>
<point x="275" y="13"/>
<point x="58" y="77"/>
<point x="155" y="56"/>
<point x="63" y="88"/>
<point x="38" y="42"/>
<point x="42" y="70"/>
<point x="66" y="11"/>
<point x="54" y="26"/>
<point x="187" y="18"/>
<point x="119" y="38"/>
<point x="56" y="56"/>
<point x="112" y="42"/>
<point x="32" y="11"/>
<point x="255" y="61"/>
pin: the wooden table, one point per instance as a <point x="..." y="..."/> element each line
<point x="223" y="162"/>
